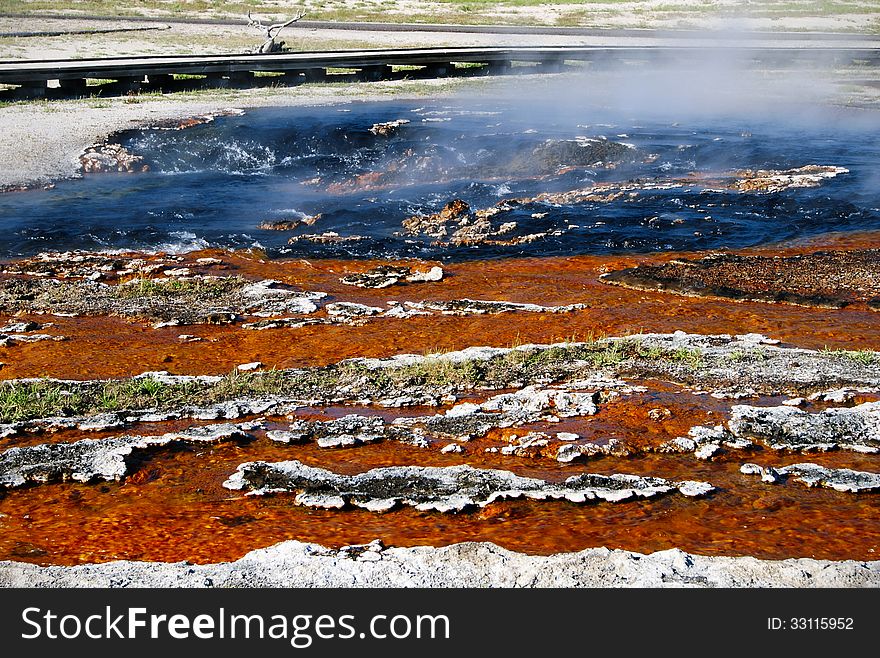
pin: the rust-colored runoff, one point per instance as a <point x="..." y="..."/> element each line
<point x="173" y="507"/>
<point x="115" y="347"/>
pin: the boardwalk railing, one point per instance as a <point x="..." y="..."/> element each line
<point x="35" y="75"/>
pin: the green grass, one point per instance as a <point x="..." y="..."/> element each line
<point x="862" y="357"/>
<point x="164" y="288"/>
<point x="44" y="398"/>
<point x="353" y="380"/>
<point x="752" y="355"/>
<point x="20" y="400"/>
<point x="690" y="357"/>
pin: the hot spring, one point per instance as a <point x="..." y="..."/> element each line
<point x="550" y="181"/>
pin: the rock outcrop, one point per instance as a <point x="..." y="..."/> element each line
<point x="90" y="460"/>
<point x="825" y="279"/>
<point x="813" y="475"/>
<point x="785" y="428"/>
<point x="104" y="158"/>
<point x="299" y="564"/>
<point x="441" y="489"/>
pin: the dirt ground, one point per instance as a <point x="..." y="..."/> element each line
<point x="725" y="15"/>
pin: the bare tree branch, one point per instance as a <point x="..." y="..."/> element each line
<point x="277" y="27"/>
<point x="271" y="31"/>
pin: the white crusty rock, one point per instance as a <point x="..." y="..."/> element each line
<point x="785" y="428"/>
<point x="468" y="420"/>
<point x="813" y="475"/>
<point x="705" y="442"/>
<point x="348" y="431"/>
<point x="96" y="459"/>
<point x="838" y="395"/>
<point x="382" y="276"/>
<point x="568" y="452"/>
<point x="7" y="340"/>
<point x="482" y="307"/>
<point x="13" y="327"/>
<point x="401" y="312"/>
<point x="164" y="377"/>
<point x="269" y="298"/>
<point x="525" y="446"/>
<point x="533" y="399"/>
<point x="442" y="489"/>
<point x="298" y="564"/>
<point x="283" y="436"/>
<point x="347" y="311"/>
<point x="287" y="323"/>
<point x="707" y="451"/>
<point x="433" y="274"/>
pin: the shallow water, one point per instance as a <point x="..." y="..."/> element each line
<point x="213" y="184"/>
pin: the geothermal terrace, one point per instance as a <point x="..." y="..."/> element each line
<point x="447" y="342"/>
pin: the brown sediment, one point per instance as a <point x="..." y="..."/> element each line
<point x="117" y="347"/>
<point x="824" y="279"/>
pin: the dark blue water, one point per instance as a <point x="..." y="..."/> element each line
<point x="212" y="185"/>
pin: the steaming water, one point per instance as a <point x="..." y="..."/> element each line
<point x="213" y="184"/>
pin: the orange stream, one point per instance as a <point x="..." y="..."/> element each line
<point x="173" y="506"/>
<point x="117" y="347"/>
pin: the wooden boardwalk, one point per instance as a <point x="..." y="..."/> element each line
<point x="34" y="75"/>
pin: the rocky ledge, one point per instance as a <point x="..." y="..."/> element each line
<point x="298" y="564"/>
<point x="175" y="299"/>
<point x="441" y="489"/>
<point x="783" y="428"/>
<point x="786" y="429"/>
<point x="90" y="460"/>
<point x="813" y="475"/>
<point x="723" y="365"/>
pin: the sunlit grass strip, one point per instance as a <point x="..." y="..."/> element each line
<point x="202" y="287"/>
<point x="28" y="399"/>
<point x="862" y="357"/>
